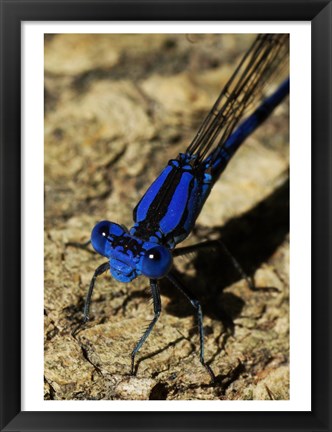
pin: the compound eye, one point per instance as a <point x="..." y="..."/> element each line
<point x="157" y="262"/>
<point x="100" y="235"/>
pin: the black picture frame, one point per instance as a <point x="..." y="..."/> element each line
<point x="13" y="12"/>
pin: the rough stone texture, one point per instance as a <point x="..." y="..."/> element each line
<point x="117" y="108"/>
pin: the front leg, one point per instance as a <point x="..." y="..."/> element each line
<point x="84" y="246"/>
<point x="99" y="270"/>
<point x="79" y="245"/>
<point x="199" y="315"/>
<point x="157" y="309"/>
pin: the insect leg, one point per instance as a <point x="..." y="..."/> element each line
<point x="79" y="245"/>
<point x="199" y="315"/>
<point x="157" y="309"/>
<point x="83" y="246"/>
<point x="213" y="244"/>
<point x="99" y="270"/>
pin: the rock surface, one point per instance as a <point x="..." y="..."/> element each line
<point x="117" y="108"/>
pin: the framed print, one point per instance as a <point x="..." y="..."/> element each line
<point x="195" y="307"/>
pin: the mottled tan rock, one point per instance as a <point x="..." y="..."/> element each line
<point x="117" y="108"/>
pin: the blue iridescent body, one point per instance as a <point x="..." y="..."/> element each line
<point x="167" y="212"/>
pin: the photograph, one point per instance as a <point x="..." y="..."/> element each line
<point x="166" y="216"/>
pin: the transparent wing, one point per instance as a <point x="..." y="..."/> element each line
<point x="263" y="62"/>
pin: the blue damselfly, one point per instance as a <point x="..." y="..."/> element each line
<point x="167" y="212"/>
